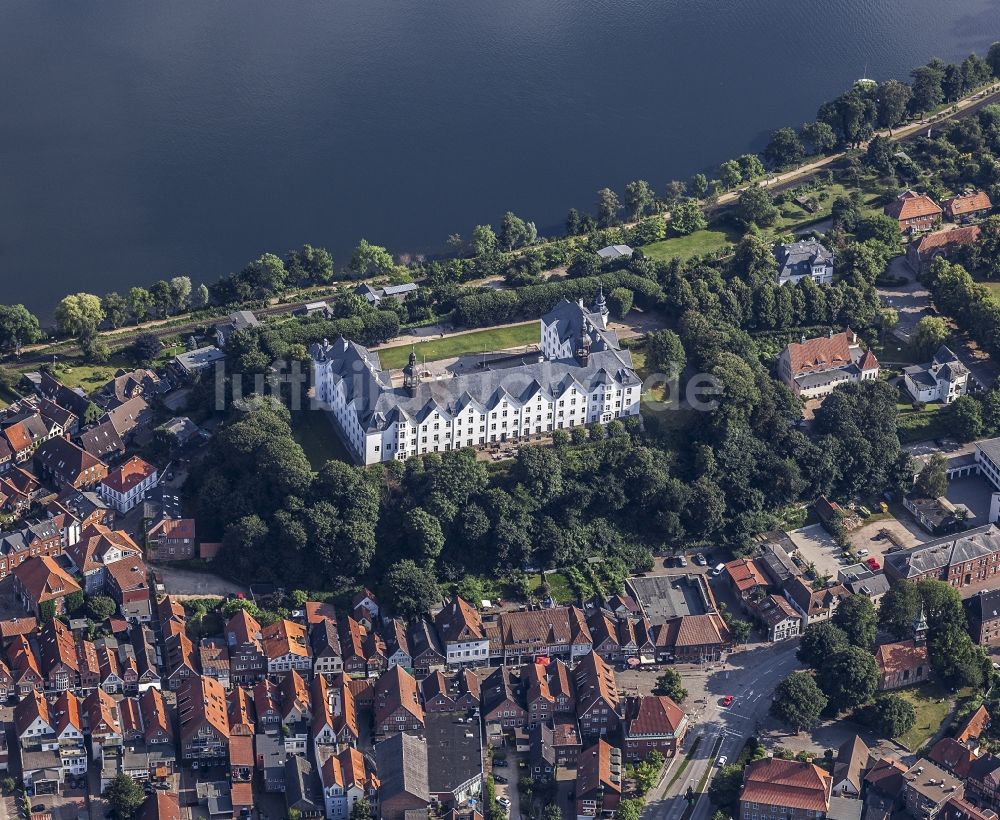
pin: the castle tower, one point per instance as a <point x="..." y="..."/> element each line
<point x="411" y="374"/>
<point x="600" y="307"/>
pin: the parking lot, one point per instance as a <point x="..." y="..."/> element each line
<point x="817" y="547"/>
<point x="509" y="770"/>
<point x="905" y="531"/>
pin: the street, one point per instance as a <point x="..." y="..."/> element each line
<point x="750" y="677"/>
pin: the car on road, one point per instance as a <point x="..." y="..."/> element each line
<point x="499" y="778"/>
<point x="727" y="700"/>
<point x="701" y="560"/>
<point x="499" y="762"/>
<point x="873" y="564"/>
<point x="721" y="761"/>
<point x="719" y="569"/>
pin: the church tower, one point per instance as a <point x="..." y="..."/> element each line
<point x="920" y="627"/>
<point x="600" y="307"/>
<point x="411" y="375"/>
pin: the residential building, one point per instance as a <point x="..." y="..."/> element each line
<point x="778" y="617"/>
<point x="967" y="207"/>
<point x="41" y="581"/>
<point x="66" y="465"/>
<point x="914" y="212"/>
<point x="203" y="720"/>
<point x="425" y="648"/>
<point x="557" y="632"/>
<point x="804" y="259"/>
<point x="983" y="612"/>
<point x="23" y="437"/>
<point x="239" y="320"/>
<point x="401" y="762"/>
<point x="128" y="586"/>
<point x="397" y="703"/>
<point x="812" y="368"/>
<point x="454" y="759"/>
<point x="126" y="485"/>
<point x="599" y="774"/>
<point x="852" y="762"/>
<point x="692" y="639"/>
<point x="397" y="644"/>
<point x="502" y="705"/>
<point x="982" y="783"/>
<point x="584" y="377"/>
<point x="103" y="442"/>
<point x="927" y="788"/>
<point x="773" y="787"/>
<point x="925" y="249"/>
<point x="185" y="365"/>
<point x="214" y="658"/>
<point x="943" y="379"/>
<point x="171" y="539"/>
<point x="97" y="548"/>
<point x="653" y="723"/>
<point x="814" y="605"/>
<point x="247" y="662"/>
<point x="460" y="628"/>
<point x="598" y="701"/>
<point x="903" y="663"/>
<point x="303" y="791"/>
<point x="538" y="698"/>
<point x="286" y="647"/>
<point x="968" y="561"/>
<point x="325" y="645"/>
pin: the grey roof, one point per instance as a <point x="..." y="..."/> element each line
<point x="777" y="564"/>
<point x="240" y="320"/>
<point x="990" y="448"/>
<point x="378" y="404"/>
<point x="401" y="763"/>
<point x="985" y="606"/>
<point x="615" y="252"/>
<point x="798" y="258"/>
<point x="844" y="808"/>
<point x="102" y="440"/>
<point x="945" y="552"/>
<point x="303" y="791"/>
<point x="576" y="322"/>
<point x="194" y="360"/>
<point x="454" y="751"/>
<point x="873" y="586"/>
<point x="396" y="290"/>
<point x="945" y="366"/>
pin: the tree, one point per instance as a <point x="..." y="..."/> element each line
<point x="899" y="608"/>
<point x="608" y="206"/>
<point x="671" y="685"/>
<point x="125" y="796"/>
<point x="628" y="809"/>
<point x="698" y="186"/>
<point x="18" y="327"/>
<point x="484" y="240"/>
<point x="739" y="629"/>
<point x="966" y="417"/>
<point x="879" y="155"/>
<point x="752" y="167"/>
<point x="180" y="293"/>
<point x="79" y="314"/>
<point x="572" y="222"/>
<point x="310" y="265"/>
<point x="620" y="302"/>
<point x="140" y="302"/>
<point x="146" y="348"/>
<point x="926" y="88"/>
<point x="754" y="207"/>
<point x="100" y="607"/>
<point x="849" y="678"/>
<point x="932" y="481"/>
<point x="665" y="352"/>
<point x="424" y="533"/>
<point x="513" y="231"/>
<point x="686" y="217"/>
<point x="798" y="701"/>
<point x="552" y="812"/>
<point x="892" y="715"/>
<point x="370" y="260"/>
<point x="785" y="148"/>
<point x="930" y="333"/>
<point x="115" y="308"/>
<point x="856" y="616"/>
<point x="819" y="642"/>
<point x="893" y="102"/>
<point x="638" y="198"/>
<point x="412" y="588"/>
<point x="725" y="788"/>
<point x="730" y="173"/>
<point x="952" y="83"/>
<point x="993" y="59"/>
<point x="820" y="136"/>
<point x="161" y="296"/>
<point x="201" y="297"/>
<point x="362" y="810"/>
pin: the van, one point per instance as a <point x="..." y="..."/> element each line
<point x="719" y="569"/>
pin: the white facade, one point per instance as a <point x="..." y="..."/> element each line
<point x="460" y="653"/>
<point x="125" y="501"/>
<point x="944" y="379"/>
<point x="583" y="378"/>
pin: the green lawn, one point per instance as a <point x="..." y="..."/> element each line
<point x="921" y="425"/>
<point x="489" y="340"/>
<point x="558" y="584"/>
<point x="933" y="707"/>
<point x="697" y="244"/>
<point x="316" y="435"/>
<point x="74" y="373"/>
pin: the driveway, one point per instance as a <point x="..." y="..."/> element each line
<point x="509" y="789"/>
<point x="911" y="300"/>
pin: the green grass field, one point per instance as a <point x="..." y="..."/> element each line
<point x="74" y="373"/>
<point x="933" y="708"/>
<point x="561" y="592"/>
<point x="697" y="244"/>
<point x="490" y="340"/>
<point x="316" y="435"/>
<point x="920" y="425"/>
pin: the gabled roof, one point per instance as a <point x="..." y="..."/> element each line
<point x="952" y="755"/>
<point x="63" y="458"/>
<point x="240" y="707"/>
<point x="129" y="415"/>
<point x="595" y="681"/>
<point x="852" y="761"/>
<point x="243" y="628"/>
<point x="744" y="574"/>
<point x="968" y="203"/>
<point x="401" y="762"/>
<point x="57" y="646"/>
<point x="201" y="702"/>
<point x="396" y="688"/>
<point x="102" y="713"/>
<point x="594" y="770"/>
<point x="788" y="783"/>
<point x="44" y="580"/>
<point x="102" y="440"/>
<point x="155" y="720"/>
<point x="975" y="726"/>
<point x="820" y="354"/>
<point x="893" y="658"/>
<point x="653" y="715"/>
<point x="945" y="239"/>
<point x="129" y="475"/>
<point x="912" y="205"/>
<point x="459" y="622"/>
<point x="285" y="637"/>
<point x="29" y="708"/>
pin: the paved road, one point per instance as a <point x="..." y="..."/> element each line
<point x="750" y="677"/>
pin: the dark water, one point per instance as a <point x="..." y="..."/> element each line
<point x="143" y="139"/>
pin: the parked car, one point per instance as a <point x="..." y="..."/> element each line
<point x="681" y="561"/>
<point x="862" y="553"/>
<point x="500" y="762"/>
<point x="499" y="778"/>
<point x="504" y="801"/>
<point x="873" y="564"/>
<point x="701" y="560"/>
<point x="722" y="761"/>
<point x="719" y="569"/>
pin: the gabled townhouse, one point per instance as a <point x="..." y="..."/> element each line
<point x="25" y="436"/>
<point x="426" y="651"/>
<point x="296" y="712"/>
<point x="203" y="721"/>
<point x="785" y="788"/>
<point x="171" y="539"/>
<point x="130" y="418"/>
<point x="853" y="760"/>
<point x="560" y="631"/>
<point x="214" y="658"/>
<point x="538" y="698"/>
<point x="109" y="669"/>
<point x="344" y="708"/>
<point x="397" y="703"/>
<point x="128" y="586"/>
<point x="982" y="783"/>
<point x="85" y="506"/>
<point x="41" y="582"/>
<point x="604" y="632"/>
<point x="180" y="656"/>
<point x="144" y="644"/>
<point x="352" y="647"/>
<point x="57" y="651"/>
<point x="127" y="484"/>
<point x="397" y="644"/>
<point x="7" y="688"/>
<point x="88" y="665"/>
<point x="286" y="648"/>
<point x="365" y="608"/>
<point x="102" y="441"/>
<point x="599" y="774"/>
<point x="598" y="702"/>
<point x="33" y="724"/>
<point x="814" y="605"/>
<point x="346" y="779"/>
<point x="58" y="419"/>
<point x="239" y="704"/>
<point x="501" y="704"/>
<point x="435" y="694"/>
<point x="129" y="384"/>
<point x="325" y="645"/>
<point x="401" y="763"/>
<point x="318" y="611"/>
<point x="376" y="654"/>
<point x="65" y="465"/>
<point x="244" y="636"/>
<point x="103" y="725"/>
<point x="323" y="731"/>
<point x="303" y="790"/>
<point x="653" y="723"/>
<point x="25" y="669"/>
<point x="156" y="724"/>
<point x="628" y="637"/>
<point x="267" y="705"/>
<point x="241" y="768"/>
<point x="69" y="731"/>
<point x="561" y="686"/>
<point x="460" y="628"/>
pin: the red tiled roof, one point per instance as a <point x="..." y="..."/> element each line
<point x="868" y="361"/>
<point x="819" y="354"/>
<point x="744" y="574"/>
<point x="896" y="657"/>
<point x="128" y="475"/>
<point x="285" y="638"/>
<point x="787" y="783"/>
<point x="944" y="239"/>
<point x="968" y="203"/>
<point x="44" y="580"/>
<point x="911" y="205"/>
<point x="653" y="715"/>
<point x="975" y="727"/>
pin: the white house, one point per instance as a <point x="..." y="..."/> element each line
<point x="460" y="628"/>
<point x="812" y="368"/>
<point x="805" y="259"/>
<point x="943" y="379"/>
<point x="581" y="377"/>
<point x="127" y="485"/>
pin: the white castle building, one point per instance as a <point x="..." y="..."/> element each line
<point x="581" y="376"/>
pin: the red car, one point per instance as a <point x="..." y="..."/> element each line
<point x="727" y="700"/>
<point x="873" y="564"/>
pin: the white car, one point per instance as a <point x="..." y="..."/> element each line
<point x="505" y="802"/>
<point x="862" y="553"/>
<point x="721" y="761"/>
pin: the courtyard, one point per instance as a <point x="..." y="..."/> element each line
<point x="816" y="547"/>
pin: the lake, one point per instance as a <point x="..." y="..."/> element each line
<point x="141" y="139"/>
